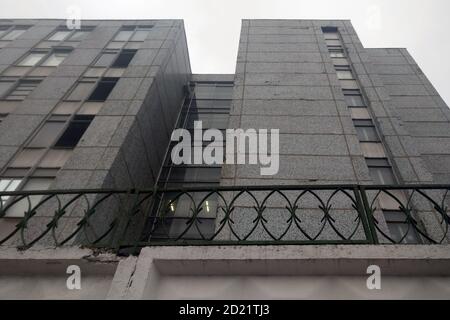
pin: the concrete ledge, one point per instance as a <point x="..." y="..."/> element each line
<point x="45" y="260"/>
<point x="300" y="260"/>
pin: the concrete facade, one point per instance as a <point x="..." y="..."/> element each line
<point x="285" y="79"/>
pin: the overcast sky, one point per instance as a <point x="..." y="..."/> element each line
<point x="213" y="26"/>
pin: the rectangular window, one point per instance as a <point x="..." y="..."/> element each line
<point x="81" y="91"/>
<point x="140" y="35"/>
<point x="366" y="131"/>
<point x="47" y="134"/>
<point x="23" y="89"/>
<point x="105" y="59"/>
<point x="124" y="35"/>
<point x="382" y="175"/>
<point x="78" y="35"/>
<point x="354" y="98"/>
<point x="14" y="33"/>
<point x="55" y="59"/>
<point x="74" y="131"/>
<point x="59" y="35"/>
<point x="8" y="185"/>
<point x="401" y="230"/>
<point x="34" y="184"/>
<point x="195" y="174"/>
<point x="123" y="59"/>
<point x="381" y="171"/>
<point x="64" y="34"/>
<point x="32" y="59"/>
<point x="173" y="227"/>
<point x="103" y="89"/>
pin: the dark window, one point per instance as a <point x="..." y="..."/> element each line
<point x="366" y="131"/>
<point x="103" y="89"/>
<point x="124" y="58"/>
<point x="209" y="120"/>
<point x="382" y="162"/>
<point x="195" y="174"/>
<point x="380" y="171"/>
<point x="355" y="101"/>
<point x="173" y="227"/>
<point x="400" y="228"/>
<point x="329" y="29"/>
<point x="74" y="131"/>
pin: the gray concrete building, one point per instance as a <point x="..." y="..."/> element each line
<point x="87" y="176"/>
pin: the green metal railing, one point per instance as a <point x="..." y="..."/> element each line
<point x="244" y="215"/>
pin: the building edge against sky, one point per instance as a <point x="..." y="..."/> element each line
<point x="95" y="108"/>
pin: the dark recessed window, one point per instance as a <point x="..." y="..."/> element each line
<point x="381" y="171"/>
<point x="353" y="98"/>
<point x="329" y="29"/>
<point x="123" y="59"/>
<point x="366" y="130"/>
<point x="103" y="89"/>
<point x="74" y="131"/>
<point x="400" y="227"/>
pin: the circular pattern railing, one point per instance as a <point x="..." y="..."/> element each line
<point x="131" y="219"/>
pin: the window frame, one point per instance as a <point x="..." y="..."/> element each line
<point x="100" y="81"/>
<point x="70" y="33"/>
<point x="391" y="221"/>
<point x="39" y="64"/>
<point x="11" y="29"/>
<point x="380" y="163"/>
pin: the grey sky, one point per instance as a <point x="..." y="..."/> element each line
<point x="213" y="26"/>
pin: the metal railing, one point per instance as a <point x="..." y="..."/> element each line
<point x="317" y="214"/>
